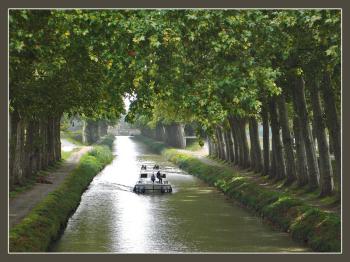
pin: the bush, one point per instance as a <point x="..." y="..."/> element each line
<point x="101" y="153"/>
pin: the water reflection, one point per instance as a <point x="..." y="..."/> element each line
<point x="194" y="218"/>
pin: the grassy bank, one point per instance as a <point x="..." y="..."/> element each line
<point x="318" y="229"/>
<point x="44" y="223"/>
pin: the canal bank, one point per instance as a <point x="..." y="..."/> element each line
<point x="308" y="225"/>
<point x="46" y="220"/>
<point x="195" y="218"/>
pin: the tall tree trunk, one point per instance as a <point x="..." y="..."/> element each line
<point x="235" y="140"/>
<point x="227" y="146"/>
<point x="301" y="166"/>
<point x="58" y="138"/>
<point x="220" y="144"/>
<point x="266" y="139"/>
<point x="51" y="140"/>
<point x="160" y="132"/>
<point x="43" y="151"/>
<point x="29" y="150"/>
<point x="331" y="149"/>
<point x="273" y="167"/>
<point x="278" y="154"/>
<point x="215" y="146"/>
<point x="319" y="127"/>
<point x="230" y="146"/>
<point x="254" y="138"/>
<point x="175" y="135"/>
<point x="287" y="140"/>
<point x="240" y="142"/>
<point x="19" y="160"/>
<point x="333" y="124"/>
<point x="36" y="146"/>
<point x="252" y="147"/>
<point x="210" y="147"/>
<point x="242" y="124"/>
<point x="14" y="118"/>
<point x="300" y="102"/>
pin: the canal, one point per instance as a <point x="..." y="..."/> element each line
<point x="194" y="218"/>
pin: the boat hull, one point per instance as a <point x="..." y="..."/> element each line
<point x="145" y="188"/>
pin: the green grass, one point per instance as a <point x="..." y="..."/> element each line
<point x="193" y="145"/>
<point x="319" y="229"/>
<point x="44" y="223"/>
<point x="66" y="154"/>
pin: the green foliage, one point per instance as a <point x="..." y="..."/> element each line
<point x="43" y="224"/>
<point x="176" y="65"/>
<point x="318" y="229"/>
<point x="194" y="144"/>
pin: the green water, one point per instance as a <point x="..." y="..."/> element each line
<point x="194" y="218"/>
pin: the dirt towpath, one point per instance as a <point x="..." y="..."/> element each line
<point x="23" y="203"/>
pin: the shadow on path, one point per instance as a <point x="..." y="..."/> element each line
<point x="24" y="202"/>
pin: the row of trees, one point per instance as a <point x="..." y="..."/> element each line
<point x="219" y="68"/>
<point x="173" y="134"/>
<point x="54" y="70"/>
<point x="227" y="69"/>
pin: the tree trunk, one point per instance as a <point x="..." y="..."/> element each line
<point x="230" y="147"/>
<point x="210" y="147"/>
<point x="301" y="166"/>
<point x="319" y="128"/>
<point x="333" y="124"/>
<point x="227" y="146"/>
<point x="30" y="150"/>
<point x="220" y="144"/>
<point x="90" y="131"/>
<point x="266" y="139"/>
<point x="273" y="167"/>
<point x="14" y="118"/>
<point x="58" y="138"/>
<point x="240" y="143"/>
<point x="254" y="140"/>
<point x="287" y="140"/>
<point x="224" y="142"/>
<point x="51" y="140"/>
<point x="300" y="102"/>
<point x="160" y="132"/>
<point x="277" y="150"/>
<point x="331" y="149"/>
<point x="242" y="125"/>
<point x="175" y="135"/>
<point x="235" y="141"/>
<point x="215" y="146"/>
<point x="252" y="147"/>
<point x="44" y="146"/>
<point x="18" y="161"/>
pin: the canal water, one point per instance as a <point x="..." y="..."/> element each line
<point x="194" y="218"/>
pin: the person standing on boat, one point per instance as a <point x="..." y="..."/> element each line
<point x="153" y="178"/>
<point x="159" y="176"/>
